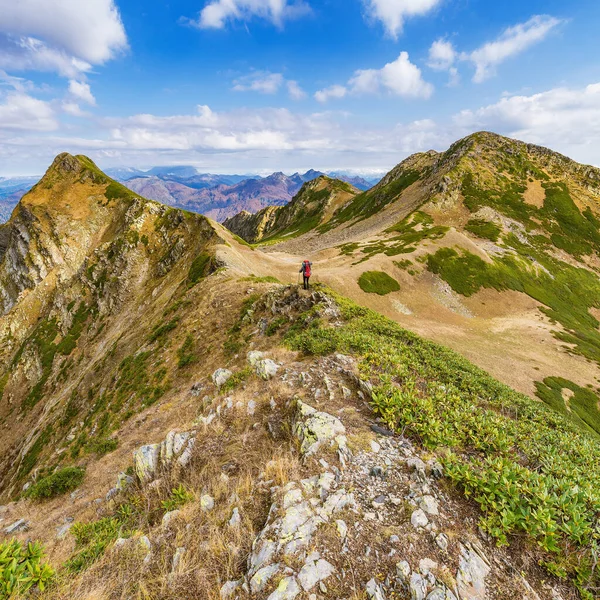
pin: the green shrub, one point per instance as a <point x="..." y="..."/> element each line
<point x="102" y="446"/>
<point x="179" y="496"/>
<point x="199" y="268"/>
<point x="185" y="354"/>
<point x="377" y="282"/>
<point x="160" y="331"/>
<point x="484" y="229"/>
<point x="22" y="567"/>
<point x="58" y="483"/>
<point x="91" y="540"/>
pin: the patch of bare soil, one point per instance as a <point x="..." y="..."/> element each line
<point x="535" y="193"/>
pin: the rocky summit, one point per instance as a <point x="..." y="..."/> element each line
<point x="180" y="419"/>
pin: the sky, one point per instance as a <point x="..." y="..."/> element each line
<point x="256" y="86"/>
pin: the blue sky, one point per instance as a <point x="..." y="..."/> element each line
<point x="265" y="85"/>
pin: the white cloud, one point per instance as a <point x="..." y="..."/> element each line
<point x="18" y="111"/>
<point x="564" y="119"/>
<point x="217" y="13"/>
<point x="334" y="91"/>
<point x="295" y="91"/>
<point x="259" y="81"/>
<point x="511" y="42"/>
<point x="81" y="91"/>
<point x="400" y="78"/>
<point x="74" y="110"/>
<point x="265" y="82"/>
<point x="393" y="13"/>
<point x="441" y="55"/>
<point x="91" y="31"/>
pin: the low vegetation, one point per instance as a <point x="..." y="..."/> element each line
<point x="377" y="282"/>
<point x="22" y="567"/>
<point x="483" y="229"/>
<point x="60" y="482"/>
<point x="532" y="471"/>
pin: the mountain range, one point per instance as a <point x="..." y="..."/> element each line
<point x="181" y="420"/>
<point x="216" y="196"/>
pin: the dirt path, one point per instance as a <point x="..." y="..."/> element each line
<point x="504" y="333"/>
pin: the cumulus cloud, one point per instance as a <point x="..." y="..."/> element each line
<point x="91" y="31"/>
<point x="334" y="91"/>
<point x="511" y="42"/>
<point x="81" y="91"/>
<point x="393" y="13"/>
<point x="217" y="13"/>
<point x="400" y="78"/>
<point x="441" y="55"/>
<point x="18" y="111"/>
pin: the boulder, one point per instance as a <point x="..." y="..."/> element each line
<point x="374" y="590"/>
<point x="207" y="503"/>
<point x="266" y="368"/>
<point x="253" y="357"/>
<point x="221" y="376"/>
<point x="146" y="460"/>
<point x="314" y="428"/>
<point x="313" y="572"/>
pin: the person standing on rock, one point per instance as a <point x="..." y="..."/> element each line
<point x="306" y="272"/>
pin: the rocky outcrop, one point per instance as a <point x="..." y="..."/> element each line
<point x="150" y="459"/>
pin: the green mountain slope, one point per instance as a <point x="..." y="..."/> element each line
<point x="313" y="205"/>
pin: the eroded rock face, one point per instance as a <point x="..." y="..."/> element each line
<point x="177" y="447"/>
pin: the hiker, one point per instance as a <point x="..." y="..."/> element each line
<point x="305" y="270"/>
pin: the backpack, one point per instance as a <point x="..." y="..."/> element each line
<point x="306" y="268"/>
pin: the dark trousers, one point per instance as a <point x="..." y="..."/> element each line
<point x="305" y="281"/>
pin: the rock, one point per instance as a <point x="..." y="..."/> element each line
<point x="419" y="519"/>
<point x="124" y="482"/>
<point x="382" y="430"/>
<point x="342" y="528"/>
<point x="403" y="571"/>
<point x="418" y="587"/>
<point x="229" y="588"/>
<point x="429" y="505"/>
<point x="442" y="541"/>
<point x="19" y="525"/>
<point x="377" y="472"/>
<point x="437" y="594"/>
<point x="287" y="589"/>
<point x="346" y="393"/>
<point x="251" y="407"/>
<point x="262" y="577"/>
<point x="253" y="357"/>
<point x="236" y="519"/>
<point x="375" y="447"/>
<point x="374" y="590"/>
<point x="426" y="565"/>
<point x="221" y="376"/>
<point x="314" y="428"/>
<point x="266" y="368"/>
<point x="435" y="469"/>
<point x="314" y="572"/>
<point x="145" y="460"/>
<point x="207" y="503"/>
<point x="179" y="552"/>
<point x="62" y="531"/>
<point x="168" y="517"/>
<point x="472" y="571"/>
<point x="186" y="455"/>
